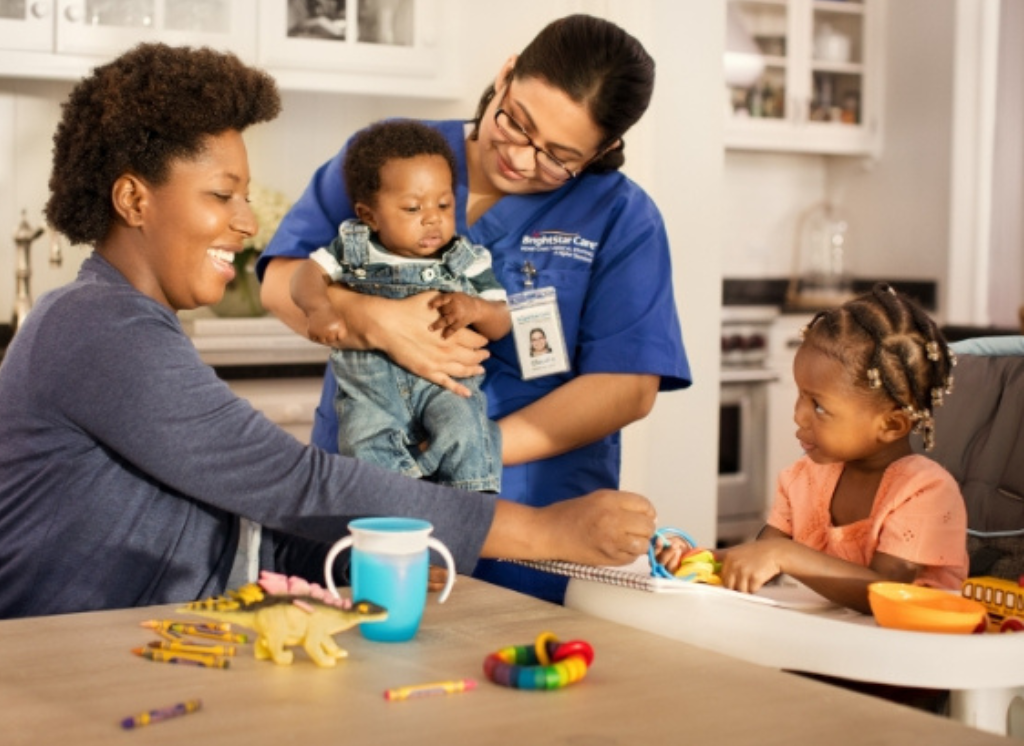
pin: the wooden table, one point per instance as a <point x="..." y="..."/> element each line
<point x="71" y="679"/>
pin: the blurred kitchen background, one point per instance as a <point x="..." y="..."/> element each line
<point x="799" y="149"/>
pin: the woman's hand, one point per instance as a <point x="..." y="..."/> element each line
<point x="606" y="527"/>
<point x="401" y="329"/>
<point x="326" y="327"/>
<point x="398" y="328"/>
<point x="436" y="578"/>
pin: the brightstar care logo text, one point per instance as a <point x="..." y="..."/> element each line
<point x="557" y="243"/>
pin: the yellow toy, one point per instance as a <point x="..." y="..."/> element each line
<point x="287" y="611"/>
<point x="1003" y="599"/>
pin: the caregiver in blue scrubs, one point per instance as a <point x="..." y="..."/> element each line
<point x="539" y="185"/>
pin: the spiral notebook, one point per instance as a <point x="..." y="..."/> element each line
<point x="786" y="592"/>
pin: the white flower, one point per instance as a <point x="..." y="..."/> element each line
<point x="269" y="207"/>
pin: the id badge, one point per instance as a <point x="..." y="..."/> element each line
<point x="537" y="331"/>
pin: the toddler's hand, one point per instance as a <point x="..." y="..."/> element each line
<point x="749" y="566"/>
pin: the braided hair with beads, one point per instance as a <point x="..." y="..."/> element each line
<point x="888" y="343"/>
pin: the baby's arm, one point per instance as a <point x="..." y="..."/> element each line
<point x="457" y="310"/>
<point x="309" y="292"/>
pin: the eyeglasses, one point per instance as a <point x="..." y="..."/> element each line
<point x="512" y="131"/>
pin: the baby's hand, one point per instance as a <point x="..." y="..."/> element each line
<point x="325" y="327"/>
<point x="456" y="311"/>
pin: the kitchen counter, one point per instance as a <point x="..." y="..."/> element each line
<point x="771" y="291"/>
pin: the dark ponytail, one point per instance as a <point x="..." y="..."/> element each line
<point x="595" y="63"/>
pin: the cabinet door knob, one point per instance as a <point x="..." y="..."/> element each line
<point x="75" y="13"/>
<point x="40" y="9"/>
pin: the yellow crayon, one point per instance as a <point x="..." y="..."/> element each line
<point x="168" y="623"/>
<point x="185" y="647"/>
<point x="172" y="656"/>
<point x="430" y="690"/>
<point x="199" y="630"/>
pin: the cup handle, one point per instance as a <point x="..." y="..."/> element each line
<point x="339" y="546"/>
<point x="441" y="549"/>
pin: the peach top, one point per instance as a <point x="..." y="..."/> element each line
<point x="918" y="516"/>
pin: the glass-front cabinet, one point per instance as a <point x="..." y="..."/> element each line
<point x="373" y="46"/>
<point x="107" y="27"/>
<point x="819" y="89"/>
<point x="63" y="39"/>
<point x="26" y="25"/>
<point x="376" y="47"/>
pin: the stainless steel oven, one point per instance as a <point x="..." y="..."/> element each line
<point x="743" y="422"/>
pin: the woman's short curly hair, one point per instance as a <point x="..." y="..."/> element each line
<point x="372" y="147"/>
<point x="152" y="105"/>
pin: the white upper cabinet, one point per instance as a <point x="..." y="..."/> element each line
<point x="26" y="25"/>
<point x="366" y="46"/>
<point x="820" y="84"/>
<point x="64" y="39"/>
<point x="376" y="47"/>
<point x="107" y="27"/>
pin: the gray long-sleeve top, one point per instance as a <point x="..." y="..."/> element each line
<point x="125" y="461"/>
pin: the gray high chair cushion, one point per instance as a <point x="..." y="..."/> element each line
<point x="978" y="440"/>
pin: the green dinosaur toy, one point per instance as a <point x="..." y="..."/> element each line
<point x="286" y="611"/>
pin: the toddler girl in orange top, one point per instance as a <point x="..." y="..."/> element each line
<point x="860" y="506"/>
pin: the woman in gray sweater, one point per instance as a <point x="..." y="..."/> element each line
<point x="125" y="462"/>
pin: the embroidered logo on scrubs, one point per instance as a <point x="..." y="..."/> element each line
<point x="559" y="243"/>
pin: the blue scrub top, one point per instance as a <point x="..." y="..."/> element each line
<point x="600" y="241"/>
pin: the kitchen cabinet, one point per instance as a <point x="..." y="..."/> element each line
<point x="821" y="87"/>
<point x="26" y="25"/>
<point x="63" y="39"/>
<point x="368" y="46"/>
<point x="374" y="47"/>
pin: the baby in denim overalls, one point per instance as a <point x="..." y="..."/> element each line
<point x="400" y="178"/>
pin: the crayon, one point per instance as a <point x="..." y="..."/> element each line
<point x="202" y="649"/>
<point x="189" y="659"/>
<point x="430" y="690"/>
<point x="164" y="713"/>
<point x="210" y="631"/>
<point x="168" y="623"/>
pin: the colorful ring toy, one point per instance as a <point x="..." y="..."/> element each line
<point x="546" y="664"/>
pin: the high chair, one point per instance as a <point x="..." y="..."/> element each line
<point x="980" y="440"/>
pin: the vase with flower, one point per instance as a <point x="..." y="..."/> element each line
<point x="242" y="295"/>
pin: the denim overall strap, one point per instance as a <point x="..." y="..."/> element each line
<point x="459" y="257"/>
<point x="355" y="244"/>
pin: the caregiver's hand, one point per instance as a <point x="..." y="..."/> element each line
<point x="606" y="527"/>
<point x="401" y="330"/>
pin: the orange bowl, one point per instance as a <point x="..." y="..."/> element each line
<point x="914" y="607"/>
